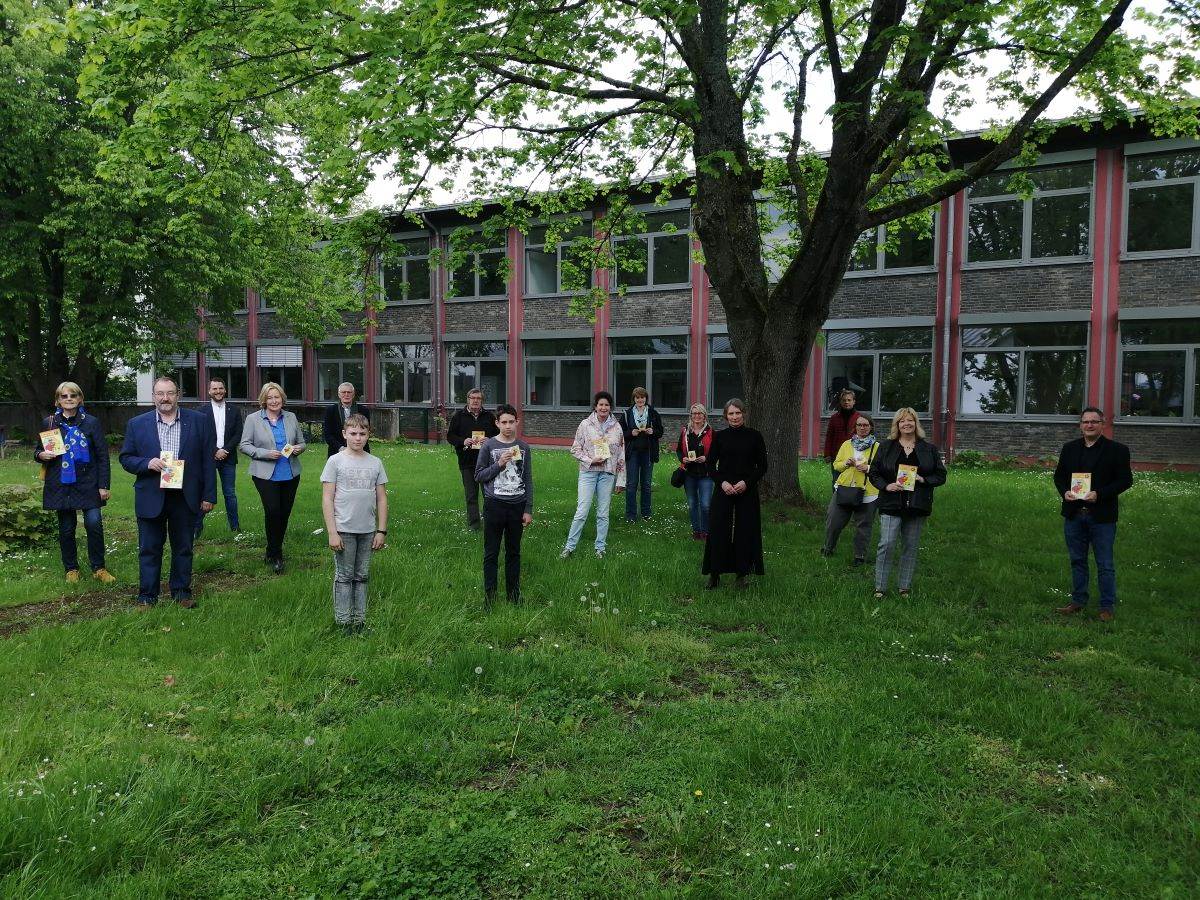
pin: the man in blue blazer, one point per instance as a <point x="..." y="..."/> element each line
<point x="169" y="512"/>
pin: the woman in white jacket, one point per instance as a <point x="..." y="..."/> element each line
<point x="600" y="448"/>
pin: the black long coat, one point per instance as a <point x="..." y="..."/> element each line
<point x="735" y="523"/>
<point x="90" y="478"/>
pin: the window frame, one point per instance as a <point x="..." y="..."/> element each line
<point x="451" y="359"/>
<point x="1191" y="371"/>
<point x="474" y="255"/>
<point x="614" y="358"/>
<point x="713" y="356"/>
<point x="557" y="405"/>
<point x="1194" y="180"/>
<point x="341" y="361"/>
<point x="401" y="237"/>
<point x="1019" y="415"/>
<point x="409" y="362"/>
<point x="647" y="209"/>
<point x="225" y="373"/>
<point x="558" y="249"/>
<point x="1026" y="258"/>
<point x="881" y="267"/>
<point x="877" y="369"/>
<point x="294" y="397"/>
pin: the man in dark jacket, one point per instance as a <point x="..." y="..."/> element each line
<point x="841" y="426"/>
<point x="466" y="432"/>
<point x="336" y="416"/>
<point x="1092" y="472"/>
<point x="227" y="426"/>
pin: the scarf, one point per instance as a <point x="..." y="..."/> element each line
<point x="863" y="444"/>
<point x="76" y="443"/>
<point x="640" y="418"/>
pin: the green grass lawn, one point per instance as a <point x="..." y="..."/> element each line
<point x="624" y="732"/>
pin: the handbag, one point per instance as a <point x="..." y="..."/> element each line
<point x="678" y="477"/>
<point x="847" y="496"/>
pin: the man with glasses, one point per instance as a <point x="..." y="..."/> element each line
<point x="168" y="507"/>
<point x="1092" y="472"/>
<point x="468" y="429"/>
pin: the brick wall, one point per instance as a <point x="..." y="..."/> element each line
<point x="885" y="295"/>
<point x="647" y="309"/>
<point x="406" y="319"/>
<point x="1013" y="288"/>
<point x="716" y="310"/>
<point x="1028" y="439"/>
<point x="551" y="424"/>
<point x="552" y="312"/>
<point x="1174" y="444"/>
<point x="1160" y="282"/>
<point x="228" y="333"/>
<point x="477" y="315"/>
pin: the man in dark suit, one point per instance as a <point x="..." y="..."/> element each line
<point x="227" y="426"/>
<point x="1089" y="508"/>
<point x="185" y="435"/>
<point x="335" y="417"/>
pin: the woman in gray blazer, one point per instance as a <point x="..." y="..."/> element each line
<point x="273" y="441"/>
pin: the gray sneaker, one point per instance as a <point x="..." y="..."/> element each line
<point x="566" y="553"/>
<point x="599" y="554"/>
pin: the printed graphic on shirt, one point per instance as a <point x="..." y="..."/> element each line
<point x="508" y="483"/>
<point x="358" y="478"/>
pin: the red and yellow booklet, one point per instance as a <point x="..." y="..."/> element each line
<point x="906" y="477"/>
<point x="1081" y="484"/>
<point x="52" y="442"/>
<point x="172" y="473"/>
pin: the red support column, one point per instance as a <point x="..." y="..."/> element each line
<point x="437" y="290"/>
<point x="957" y="243"/>
<point x="516" y="321"/>
<point x="811" y="397"/>
<point x="600" y="353"/>
<point x="201" y="360"/>
<point x="1102" y="387"/>
<point x="370" y="389"/>
<point x="1111" y="397"/>
<point x="940" y="402"/>
<point x="252" y="383"/>
<point x="698" y="380"/>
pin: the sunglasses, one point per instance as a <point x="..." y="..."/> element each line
<point x="67" y="396"/>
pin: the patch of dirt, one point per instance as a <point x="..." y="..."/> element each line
<point x="498" y="775"/>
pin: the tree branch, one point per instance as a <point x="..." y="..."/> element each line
<point x="765" y="55"/>
<point x="831" y="44"/>
<point x="541" y="84"/>
<point x="793" y="154"/>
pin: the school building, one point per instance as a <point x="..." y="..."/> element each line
<point x="999" y="327"/>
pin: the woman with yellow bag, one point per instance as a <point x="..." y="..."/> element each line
<point x="853" y="494"/>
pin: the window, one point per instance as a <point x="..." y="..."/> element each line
<point x="558" y="373"/>
<point x="183" y="369"/>
<point x="481" y="270"/>
<point x="1053" y="223"/>
<point x="912" y="250"/>
<point x="725" y="382"/>
<point x="478" y="364"/>
<point x="1024" y="370"/>
<point x="405" y="373"/>
<point x="290" y="378"/>
<point x="406" y="275"/>
<point x="661" y="255"/>
<point x="1162" y="198"/>
<point x="336" y="365"/>
<point x="556" y="268"/>
<point x="228" y="364"/>
<point x="887" y="368"/>
<point x="659" y="364"/>
<point x="1159" y="369"/>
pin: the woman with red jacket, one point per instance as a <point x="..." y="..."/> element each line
<point x="841" y="426"/>
<point x="692" y="448"/>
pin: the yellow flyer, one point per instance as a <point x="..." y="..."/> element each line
<point x="600" y="449"/>
<point x="1081" y="484"/>
<point x="516" y="454"/>
<point x="52" y="442"/>
<point x="477" y="436"/>
<point x="691" y="456"/>
<point x="287" y="450"/>
<point x="172" y="473"/>
<point x="906" y="477"/>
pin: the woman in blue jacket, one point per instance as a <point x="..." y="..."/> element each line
<point x="77" y="480"/>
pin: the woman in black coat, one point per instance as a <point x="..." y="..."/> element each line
<point x="737" y="462"/>
<point x="643" y="429"/>
<point x="902" y="512"/>
<point x="77" y="479"/>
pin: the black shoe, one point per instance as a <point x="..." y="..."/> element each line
<point x="826" y="553"/>
<point x="515" y="598"/>
<point x="475" y="526"/>
<point x="277" y="566"/>
<point x="360" y="627"/>
<point x="741" y="583"/>
<point x="268" y="559"/>
<point x="714" y="582"/>
<point x="489" y="599"/>
<point x="858" y="562"/>
<point x="348" y="630"/>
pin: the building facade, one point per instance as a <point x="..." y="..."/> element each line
<point x="1018" y="310"/>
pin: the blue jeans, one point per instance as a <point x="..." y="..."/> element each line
<point x="600" y="486"/>
<point x="94" y="525"/>
<point x="699" y="490"/>
<point x="1080" y="532"/>
<point x="638" y="471"/>
<point x="175" y="522"/>
<point x="228" y="472"/>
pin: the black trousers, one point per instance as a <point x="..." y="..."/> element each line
<point x="502" y="520"/>
<point x="471" y="491"/>
<point x="278" y="497"/>
<point x="175" y="522"/>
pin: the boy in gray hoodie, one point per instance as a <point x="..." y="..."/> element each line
<point x="505" y="471"/>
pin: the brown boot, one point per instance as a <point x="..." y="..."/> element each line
<point x="72" y="576"/>
<point x="104" y="576"/>
<point x="1070" y="609"/>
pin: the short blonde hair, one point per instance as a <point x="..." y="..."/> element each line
<point x="699" y="407"/>
<point x="902" y="413"/>
<point x="270" y="386"/>
<point x="68" y="386"/>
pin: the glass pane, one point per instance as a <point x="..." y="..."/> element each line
<point x="492" y="382"/>
<point x="491" y="282"/>
<point x="541" y="272"/>
<point x="536" y="236"/>
<point x="865" y="255"/>
<point x="854" y="372"/>
<point x="994" y="230"/>
<point x="672" y="256"/>
<point x="329" y="375"/>
<point x="989" y="384"/>
<point x="1152" y="383"/>
<point x="420" y="381"/>
<point x="1076" y="175"/>
<point x="539" y="382"/>
<point x="672" y="220"/>
<point x="1061" y="225"/>
<point x="1054" y="382"/>
<point x="462" y="280"/>
<point x="353" y="373"/>
<point x="393" y="282"/>
<point x="559" y="347"/>
<point x="992" y="185"/>
<point x="649" y="346"/>
<point x="721" y="344"/>
<point x="668" y="383"/>
<point x="462" y="379"/>
<point x="632" y="259"/>
<point x="418" y="279"/>
<point x="414" y="246"/>
<point x="391" y="376"/>
<point x="293" y="383"/>
<point x="726" y="381"/>
<point x="912" y="250"/>
<point x="469" y="349"/>
<point x="188" y="384"/>
<point x="1170" y="331"/>
<point x="576" y="386"/>
<point x="1163" y="165"/>
<point x="1160" y="218"/>
<point x="627" y="374"/>
<point x="880" y="339"/>
<point x="1066" y="334"/>
<point x="904" y="380"/>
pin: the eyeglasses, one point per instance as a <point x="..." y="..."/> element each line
<point x="69" y="395"/>
<point x="1091" y="421"/>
